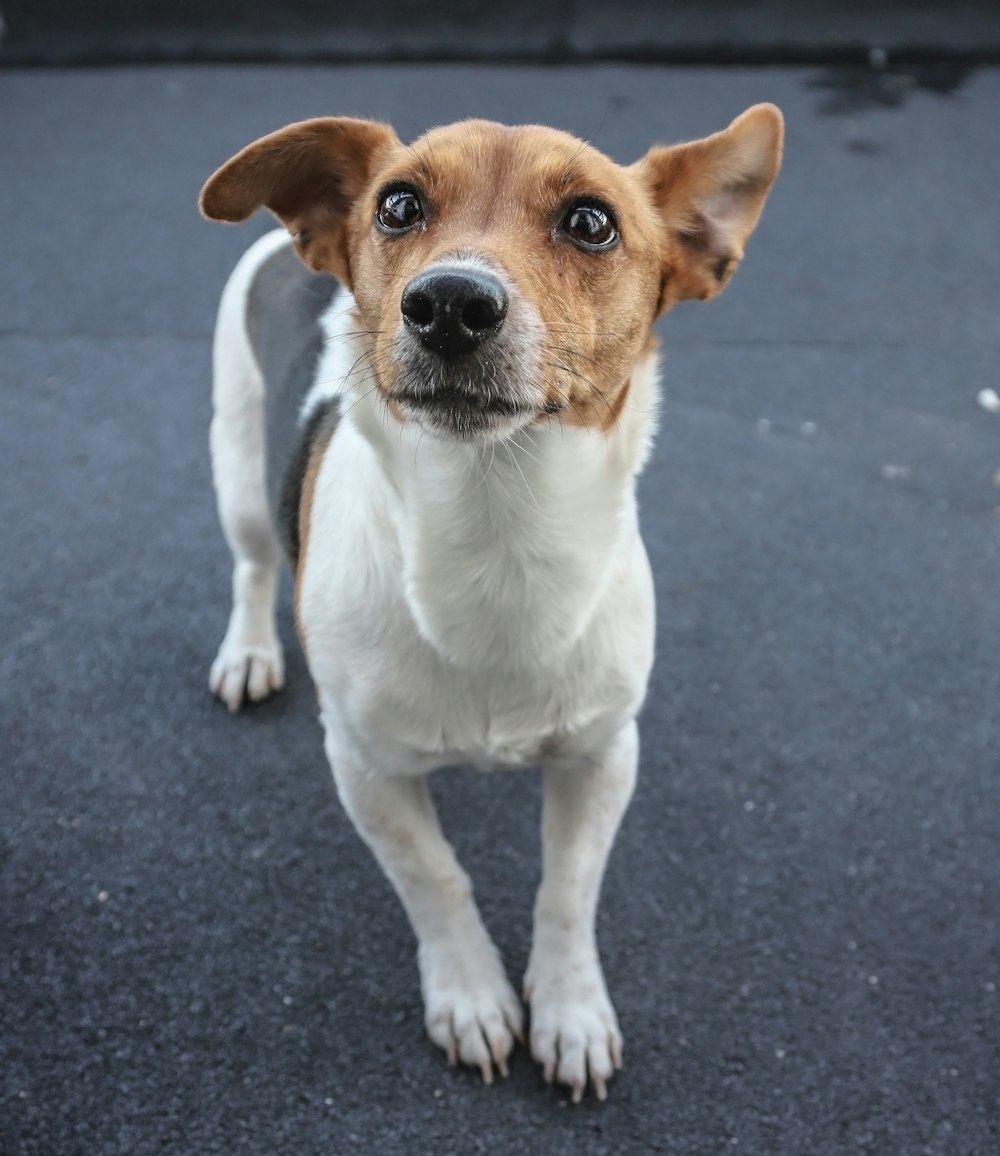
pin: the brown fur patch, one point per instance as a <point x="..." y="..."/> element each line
<point x="502" y="193"/>
<point x="309" y="175"/>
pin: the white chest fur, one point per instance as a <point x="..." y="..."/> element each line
<point x="506" y="552"/>
<point x="462" y="604"/>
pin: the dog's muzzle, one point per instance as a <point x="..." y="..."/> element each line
<point x="463" y="364"/>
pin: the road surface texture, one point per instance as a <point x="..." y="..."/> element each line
<point x="801" y="920"/>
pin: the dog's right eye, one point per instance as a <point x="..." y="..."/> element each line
<point x="400" y="210"/>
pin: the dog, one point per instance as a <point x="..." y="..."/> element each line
<point x="434" y="388"/>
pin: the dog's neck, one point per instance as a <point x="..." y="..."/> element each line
<point x="507" y="546"/>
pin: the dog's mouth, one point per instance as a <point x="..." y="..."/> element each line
<point x="472" y="396"/>
<point x="462" y="400"/>
<point x="462" y="411"/>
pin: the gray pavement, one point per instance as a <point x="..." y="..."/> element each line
<point x="801" y="920"/>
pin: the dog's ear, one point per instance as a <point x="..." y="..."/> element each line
<point x="709" y="194"/>
<point x="309" y="175"/>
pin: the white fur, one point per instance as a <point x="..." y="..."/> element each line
<point x="483" y="602"/>
<point x="250" y="659"/>
<point x="342" y="360"/>
<point x="463" y="601"/>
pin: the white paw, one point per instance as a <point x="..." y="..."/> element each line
<point x="246" y="672"/>
<point x="469" y="1007"/>
<point x="574" y="1029"/>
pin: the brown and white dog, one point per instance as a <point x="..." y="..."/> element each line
<point x="445" y="434"/>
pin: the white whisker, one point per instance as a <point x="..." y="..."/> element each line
<point x="517" y="467"/>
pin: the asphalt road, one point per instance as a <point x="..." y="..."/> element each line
<point x="801" y="919"/>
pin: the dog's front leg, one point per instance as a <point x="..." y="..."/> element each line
<point x="470" y="1008"/>
<point x="574" y="1029"/>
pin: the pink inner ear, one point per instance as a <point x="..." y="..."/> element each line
<point x="746" y="160"/>
<point x="727" y="216"/>
<point x="732" y="202"/>
<point x="728" y="205"/>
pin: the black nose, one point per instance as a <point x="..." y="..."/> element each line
<point x="451" y="310"/>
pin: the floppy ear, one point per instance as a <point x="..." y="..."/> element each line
<point x="309" y="175"/>
<point x="710" y="194"/>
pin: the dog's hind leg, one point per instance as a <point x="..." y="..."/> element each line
<point x="250" y="662"/>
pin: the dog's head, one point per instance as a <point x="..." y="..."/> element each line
<point x="506" y="275"/>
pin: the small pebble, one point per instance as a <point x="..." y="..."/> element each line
<point x="103" y="897"/>
<point x="808" y="428"/>
<point x="893" y="473"/>
<point x="989" y="399"/>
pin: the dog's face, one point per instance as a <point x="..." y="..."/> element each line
<point x="506" y="276"/>
<point x="527" y="272"/>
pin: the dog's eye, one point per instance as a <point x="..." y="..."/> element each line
<point x="400" y="210"/>
<point x="590" y="226"/>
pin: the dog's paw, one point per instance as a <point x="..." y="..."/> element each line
<point x="246" y="672"/>
<point x="471" y="1011"/>
<point x="574" y="1029"/>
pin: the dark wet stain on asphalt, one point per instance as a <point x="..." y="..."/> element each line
<point x="854" y="89"/>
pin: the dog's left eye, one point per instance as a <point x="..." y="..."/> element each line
<point x="400" y="209"/>
<point x="590" y="226"/>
